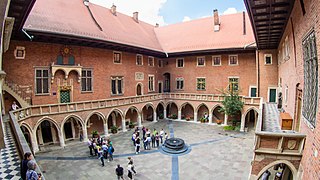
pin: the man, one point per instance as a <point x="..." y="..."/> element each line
<point x="90" y="145"/>
<point x="14" y="106"/>
<point x="119" y="172"/>
<point x="24" y="165"/>
<point x="31" y="173"/>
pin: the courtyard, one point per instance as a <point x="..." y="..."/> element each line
<point x="215" y="154"/>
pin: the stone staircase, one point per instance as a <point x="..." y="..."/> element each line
<point x="23" y="94"/>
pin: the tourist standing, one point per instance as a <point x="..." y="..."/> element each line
<point x="145" y="143"/>
<point x="14" y="106"/>
<point x="105" y="150"/>
<point x="134" y="139"/>
<point x="31" y="173"/>
<point x="153" y="140"/>
<point x="157" y="139"/>
<point x="161" y="135"/>
<point x="144" y="130"/>
<point x="148" y="142"/>
<point x="130" y="161"/>
<point x="137" y="145"/>
<point x="94" y="144"/>
<point x="165" y="136"/>
<point x="119" y="172"/>
<point x="130" y="171"/>
<point x="90" y="145"/>
<point x="100" y="152"/>
<point x="24" y="165"/>
<point x="110" y="152"/>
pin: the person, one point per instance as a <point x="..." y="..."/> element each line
<point x="145" y="143"/>
<point x="31" y="173"/>
<point x="165" y="136"/>
<point x="110" y="152"/>
<point x="119" y="172"/>
<point x="130" y="161"/>
<point x="90" y="145"/>
<point x="161" y="136"/>
<point x="137" y="145"/>
<point x="155" y="131"/>
<point x="206" y="117"/>
<point x="105" y="150"/>
<point x="24" y="165"/>
<point x="153" y="140"/>
<point x="94" y="145"/>
<point x="134" y="138"/>
<point x="157" y="139"/>
<point x="130" y="171"/>
<point x="14" y="106"/>
<point x="148" y="142"/>
<point x="144" y="130"/>
<point x="100" y="152"/>
<point x="265" y="175"/>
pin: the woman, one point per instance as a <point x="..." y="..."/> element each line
<point x="31" y="173"/>
<point x="130" y="171"/>
<point x="24" y="165"/>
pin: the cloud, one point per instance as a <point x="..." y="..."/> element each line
<point x="148" y="10"/>
<point x="186" y="18"/>
<point x="230" y="11"/>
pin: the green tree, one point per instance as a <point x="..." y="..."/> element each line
<point x="232" y="103"/>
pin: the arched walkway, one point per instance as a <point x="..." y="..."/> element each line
<point x="132" y="116"/>
<point x="95" y="123"/>
<point x="160" y="111"/>
<point x="172" y="110"/>
<point x="187" y="111"/>
<point x="217" y="116"/>
<point x="282" y="169"/>
<point x="251" y="118"/>
<point x="115" y="119"/>
<point x="148" y="113"/>
<point x="27" y="134"/>
<point x="202" y="112"/>
<point x="47" y="133"/>
<point x="72" y="128"/>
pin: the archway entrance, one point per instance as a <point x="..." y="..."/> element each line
<point x="139" y="90"/>
<point x="114" y="119"/>
<point x="172" y="110"/>
<point x="160" y="111"/>
<point x="47" y="133"/>
<point x="26" y="134"/>
<point x="187" y="112"/>
<point x="203" y="111"/>
<point x="72" y="129"/>
<point x="251" y="119"/>
<point x="131" y="116"/>
<point x="166" y="87"/>
<point x="278" y="172"/>
<point x="95" y="123"/>
<point x="217" y="116"/>
<point x="147" y="113"/>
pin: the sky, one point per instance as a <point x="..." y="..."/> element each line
<point x="166" y="12"/>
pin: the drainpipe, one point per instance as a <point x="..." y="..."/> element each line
<point x="258" y="73"/>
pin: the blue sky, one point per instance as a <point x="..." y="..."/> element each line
<point x="166" y="12"/>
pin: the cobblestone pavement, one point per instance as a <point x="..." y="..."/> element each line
<point x="215" y="154"/>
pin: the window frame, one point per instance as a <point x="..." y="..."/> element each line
<point x="213" y="57"/>
<point x="114" y="57"/>
<point x="139" y="55"/>
<point x="160" y="63"/>
<point x="35" y="80"/>
<point x="265" y="59"/>
<point x="117" y="78"/>
<point x="234" y="77"/>
<point x="87" y="69"/>
<point x="251" y="87"/>
<point x="204" y="83"/>
<point x="153" y="83"/>
<point x="179" y="79"/>
<point x="204" y="61"/>
<point x="151" y="58"/>
<point x="229" y="59"/>
<point x="177" y="63"/>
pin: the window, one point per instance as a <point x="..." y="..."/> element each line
<point x="86" y="80"/>
<point x="253" y="91"/>
<point x="160" y="63"/>
<point x="310" y="96"/>
<point x="42" y="81"/>
<point x="201" y="83"/>
<point x="179" y="83"/>
<point x="150" y="61"/>
<point x="201" y="61"/>
<point x="116" y="85"/>
<point x="19" y="52"/>
<point x="139" y="60"/>
<point x="233" y="84"/>
<point x="117" y="57"/>
<point x="180" y="62"/>
<point x="151" y="83"/>
<point x="268" y="59"/>
<point x="233" y="59"/>
<point x="216" y="60"/>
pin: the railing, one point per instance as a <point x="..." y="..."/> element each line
<point x="22" y="144"/>
<point x="48" y="109"/>
<point x="25" y="92"/>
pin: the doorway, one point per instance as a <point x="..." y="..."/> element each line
<point x="166" y="87"/>
<point x="68" y="130"/>
<point x="46" y="132"/>
<point x="160" y="86"/>
<point x="272" y="94"/>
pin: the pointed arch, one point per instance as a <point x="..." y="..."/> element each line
<point x="117" y="111"/>
<point x="149" y="105"/>
<point x="27" y="127"/>
<point x="202" y="104"/>
<point x="48" y="119"/>
<point x="286" y="162"/>
<point x="216" y="106"/>
<point x="184" y="104"/>
<point x="131" y="107"/>
<point x="72" y="116"/>
<point x="251" y="108"/>
<point x="97" y="113"/>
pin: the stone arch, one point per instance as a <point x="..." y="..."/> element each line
<point x="202" y="110"/>
<point x="46" y="133"/>
<point x="69" y="130"/>
<point x="187" y="111"/>
<point x="131" y="115"/>
<point x="97" y="113"/>
<point x="246" y="118"/>
<point x="217" y="117"/>
<point x="60" y="69"/>
<point x="148" y="112"/>
<point x="172" y="110"/>
<point x="139" y="89"/>
<point x="27" y="131"/>
<point x="48" y="119"/>
<point x="113" y="119"/>
<point x="93" y="123"/>
<point x="288" y="163"/>
<point x="160" y="110"/>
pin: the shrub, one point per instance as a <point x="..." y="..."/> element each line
<point x="229" y="128"/>
<point x="114" y="129"/>
<point x="131" y="125"/>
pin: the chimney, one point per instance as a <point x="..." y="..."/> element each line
<point x="114" y="10"/>
<point x="157" y="25"/>
<point x="244" y="23"/>
<point x="86" y="2"/>
<point x="135" y="16"/>
<point x="216" y="20"/>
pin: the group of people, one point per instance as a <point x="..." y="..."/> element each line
<point x="155" y="138"/>
<point x="27" y="168"/>
<point x="102" y="148"/>
<point x="130" y="168"/>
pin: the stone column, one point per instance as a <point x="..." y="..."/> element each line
<point x="73" y="130"/>
<point x="34" y="142"/>
<point x="40" y="135"/>
<point x="61" y="139"/>
<point x="139" y="120"/>
<point x="85" y="133"/>
<point x="243" y="122"/>
<point x="195" y="116"/>
<point x="154" y="116"/>
<point x="164" y="113"/>
<point x="53" y="133"/>
<point x="124" y="128"/>
<point x="225" y="120"/>
<point x="210" y="118"/>
<point x="105" y="128"/>
<point x="179" y="115"/>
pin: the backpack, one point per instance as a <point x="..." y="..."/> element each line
<point x="112" y="149"/>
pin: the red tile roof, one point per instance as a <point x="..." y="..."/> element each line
<point x="73" y="18"/>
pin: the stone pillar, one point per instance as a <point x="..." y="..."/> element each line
<point x="85" y="133"/>
<point x="179" y="115"/>
<point x="210" y="118"/>
<point x="73" y="130"/>
<point x="243" y="122"/>
<point x="40" y="135"/>
<point x="34" y="142"/>
<point x="165" y="114"/>
<point x="53" y="133"/>
<point x="139" y="120"/>
<point x="61" y="139"/>
<point x="195" y="116"/>
<point x="154" y="116"/>
<point x="225" y="120"/>
<point x="105" y="128"/>
<point x="124" y="128"/>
